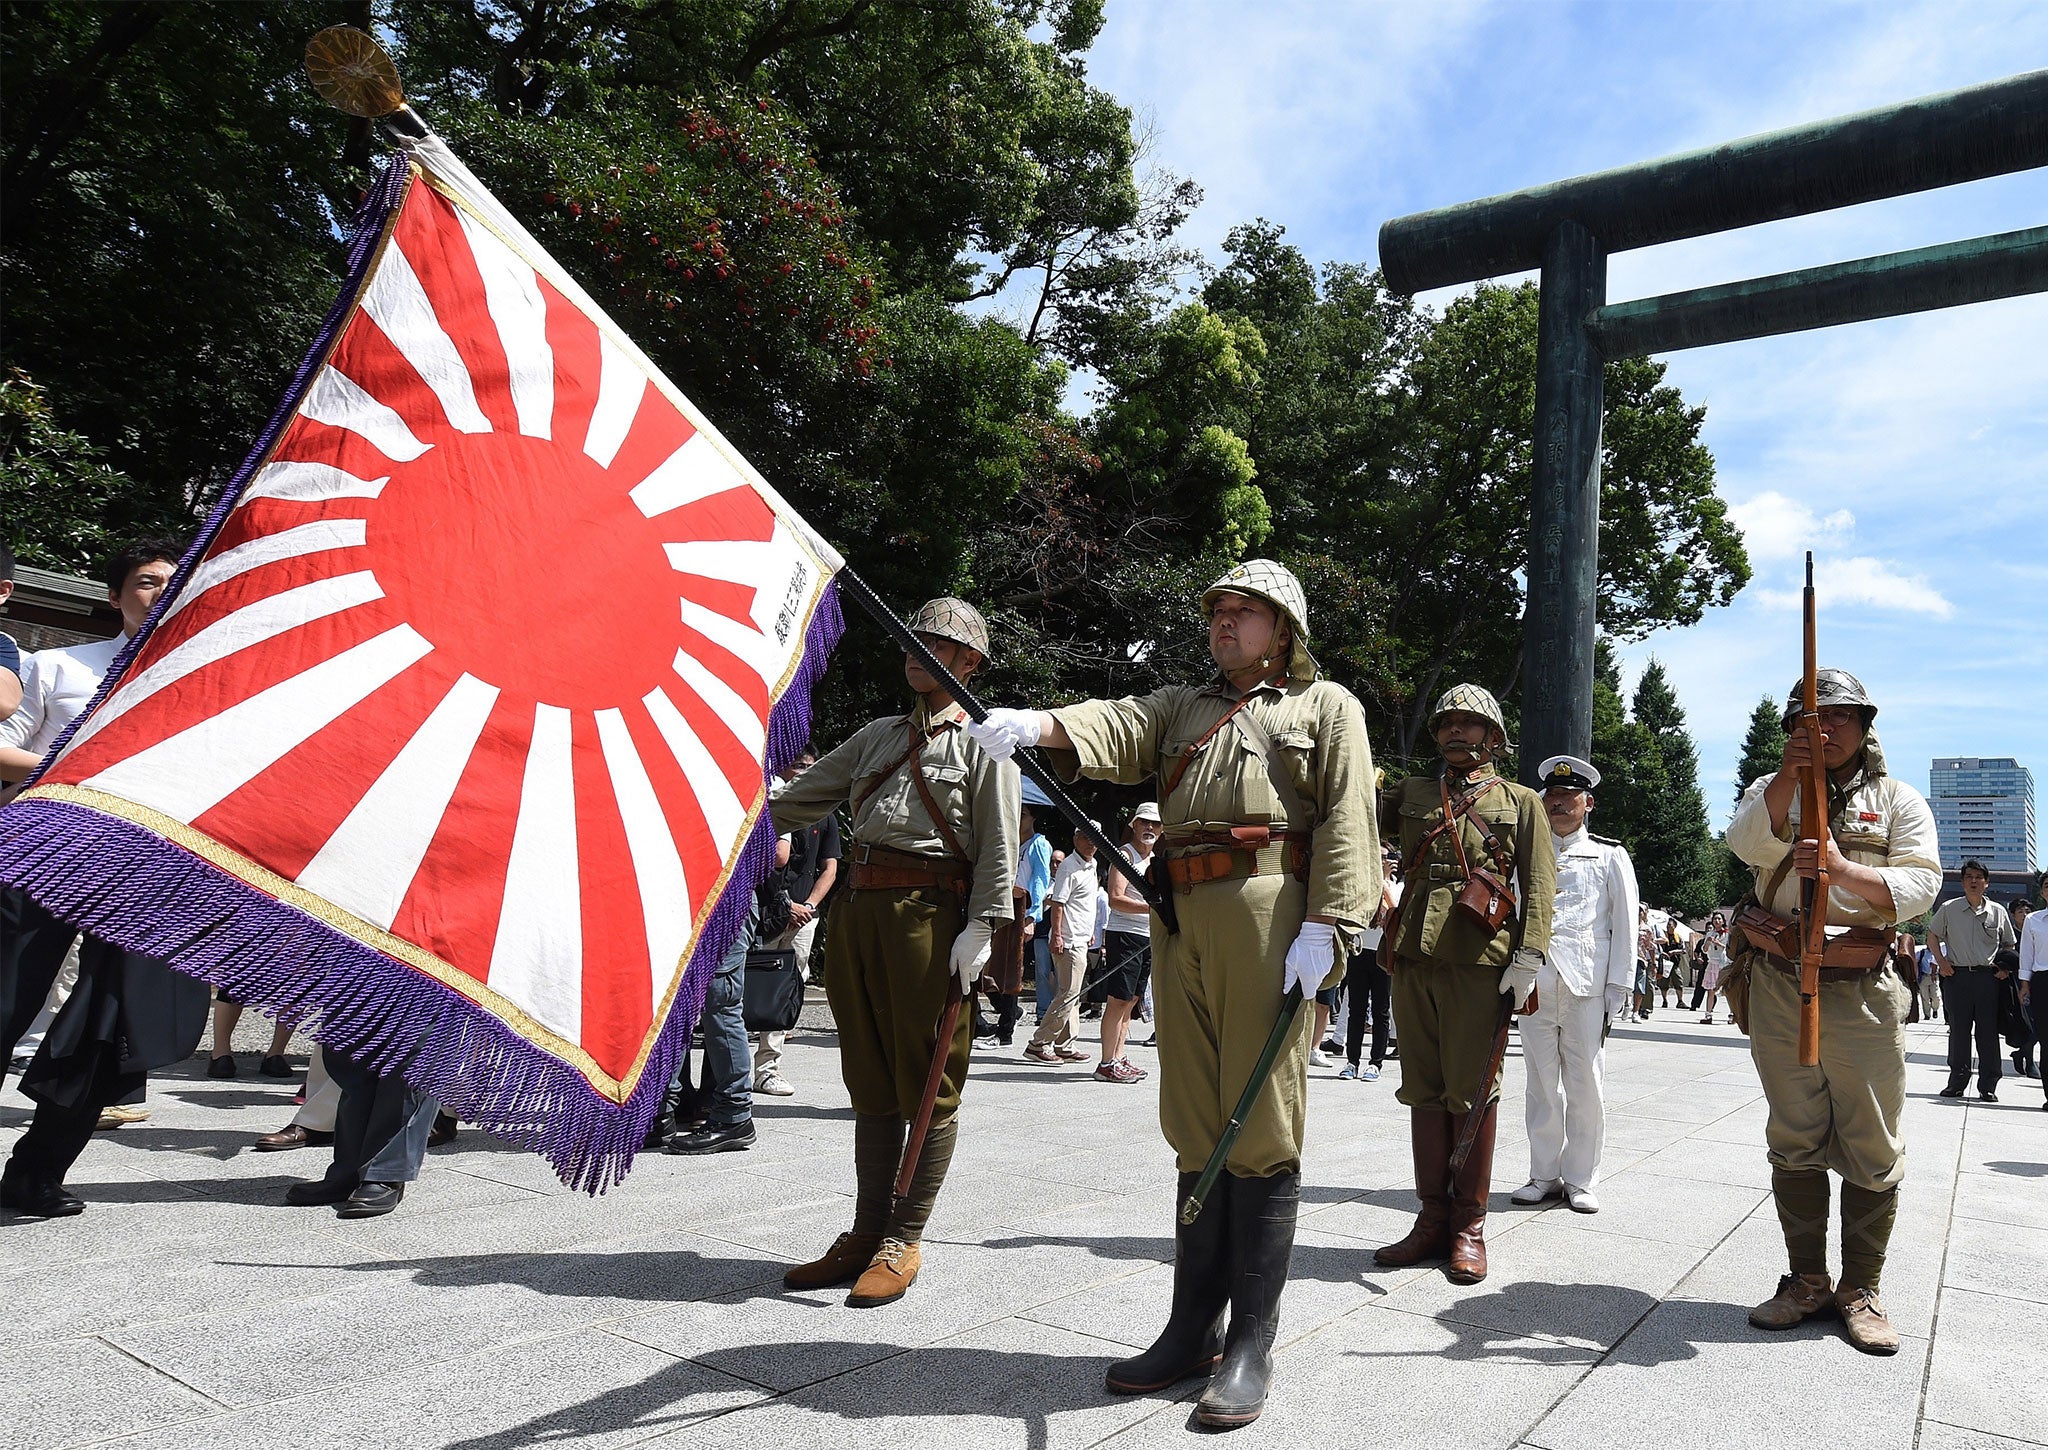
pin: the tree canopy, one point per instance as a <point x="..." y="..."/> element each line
<point x="872" y="239"/>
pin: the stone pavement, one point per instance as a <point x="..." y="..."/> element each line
<point x="189" y="1307"/>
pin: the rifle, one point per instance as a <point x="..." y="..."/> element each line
<point x="1813" y="826"/>
<point x="1276" y="1040"/>
<point x="1483" y="1099"/>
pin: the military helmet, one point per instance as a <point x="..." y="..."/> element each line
<point x="953" y="619"/>
<point x="1472" y="700"/>
<point x="1276" y="584"/>
<point x="1831" y="687"/>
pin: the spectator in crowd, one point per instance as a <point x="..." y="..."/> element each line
<point x="2019" y="1028"/>
<point x="1072" y="898"/>
<point x="1646" y="963"/>
<point x="1967" y="934"/>
<point x="2034" y="963"/>
<point x="1715" y="941"/>
<point x="807" y="876"/>
<point x="1042" y="939"/>
<point x="1367" y="987"/>
<point x="226" y="1013"/>
<point x="721" y="1099"/>
<point x="381" y="1127"/>
<point x="313" y="1125"/>
<point x="1127" y="946"/>
<point x="10" y="652"/>
<point x="1930" y="983"/>
<point x="1671" y="963"/>
<point x="1034" y="879"/>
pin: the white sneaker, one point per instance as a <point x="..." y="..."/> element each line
<point x="1580" y="1200"/>
<point x="1536" y="1190"/>
<point x="774" y="1084"/>
<point x="1316" y="1058"/>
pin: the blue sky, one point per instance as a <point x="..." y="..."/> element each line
<point x="1910" y="454"/>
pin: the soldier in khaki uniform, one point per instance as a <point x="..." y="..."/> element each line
<point x="1451" y="972"/>
<point x="928" y="878"/>
<point x="1884" y="867"/>
<point x="1271" y="849"/>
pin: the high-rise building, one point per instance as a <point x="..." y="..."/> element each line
<point x="1984" y="809"/>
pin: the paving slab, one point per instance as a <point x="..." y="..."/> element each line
<point x="71" y="1391"/>
<point x="1988" y="1348"/>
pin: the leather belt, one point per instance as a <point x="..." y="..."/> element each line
<point x="1201" y="857"/>
<point x="1827" y="974"/>
<point x="878" y="868"/>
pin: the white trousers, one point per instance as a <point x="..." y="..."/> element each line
<point x="768" y="1054"/>
<point x="1561" y="1045"/>
<point x="323" y="1096"/>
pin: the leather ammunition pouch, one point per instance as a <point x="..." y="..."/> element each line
<point x="1195" y="860"/>
<point x="877" y="868"/>
<point x="1487" y="900"/>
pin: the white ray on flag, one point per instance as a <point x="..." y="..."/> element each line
<point x="309" y="483"/>
<point x="760" y="653"/>
<point x="620" y="388"/>
<point x="537" y="959"/>
<point x="749" y="562"/>
<point x="399" y="304"/>
<point x="367" y="865"/>
<point x="189" y="773"/>
<point x="657" y="865"/>
<point x="318" y="537"/>
<point x="738" y="715"/>
<point x="695" y="470"/>
<point x="520" y="313"/>
<point x="334" y="399"/>
<point x="724" y="812"/>
<point x="253" y="623"/>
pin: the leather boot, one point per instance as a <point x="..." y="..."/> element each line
<point x="1469" y="1190"/>
<point x="1192" y="1342"/>
<point x="1262" y="1213"/>
<point x="1430" y="1138"/>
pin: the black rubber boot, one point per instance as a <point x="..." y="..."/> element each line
<point x="1262" y="1213"/>
<point x="1192" y="1341"/>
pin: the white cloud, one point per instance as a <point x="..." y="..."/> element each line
<point x="1776" y="527"/>
<point x="1869" y="582"/>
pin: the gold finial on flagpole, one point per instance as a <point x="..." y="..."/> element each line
<point x="353" y="73"/>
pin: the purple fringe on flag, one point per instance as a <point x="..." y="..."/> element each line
<point x="129" y="886"/>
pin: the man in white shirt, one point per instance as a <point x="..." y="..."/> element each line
<point x="1074" y="889"/>
<point x="10" y="655"/>
<point x="1582" y="986"/>
<point x="2034" y="962"/>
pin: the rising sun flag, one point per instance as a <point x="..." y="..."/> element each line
<point x="451" y="735"/>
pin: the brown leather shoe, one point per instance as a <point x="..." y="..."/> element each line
<point x="1800" y="1297"/>
<point x="292" y="1137"/>
<point x="849" y="1255"/>
<point x="888" y="1278"/>
<point x="1429" y="1136"/>
<point x="1864" y="1320"/>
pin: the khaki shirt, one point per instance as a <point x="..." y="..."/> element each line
<point x="1881" y="822"/>
<point x="980" y="798"/>
<point x="1970" y="937"/>
<point x="1318" y="733"/>
<point x="1431" y="930"/>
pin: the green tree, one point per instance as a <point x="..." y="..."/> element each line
<point x="1763" y="747"/>
<point x="64" y="507"/>
<point x="1672" y="846"/>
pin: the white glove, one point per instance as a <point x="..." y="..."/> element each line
<point x="971" y="953"/>
<point x="1005" y="732"/>
<point x="1616" y="994"/>
<point x="1518" y="982"/>
<point x="1310" y="958"/>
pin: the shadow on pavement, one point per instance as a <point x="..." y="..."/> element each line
<point x="666" y="1276"/>
<point x="1002" y="1384"/>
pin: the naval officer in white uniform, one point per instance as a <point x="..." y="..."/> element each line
<point x="1582" y="986"/>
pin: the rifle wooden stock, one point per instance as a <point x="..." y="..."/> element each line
<point x="920" y="1128"/>
<point x="1494" y="1062"/>
<point x="1813" y="826"/>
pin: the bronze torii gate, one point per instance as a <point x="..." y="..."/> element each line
<point x="1570" y="228"/>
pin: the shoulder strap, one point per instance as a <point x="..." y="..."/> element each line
<point x="924" y="789"/>
<point x="1247" y="724"/>
<point x="1187" y="756"/>
<point x="916" y="744"/>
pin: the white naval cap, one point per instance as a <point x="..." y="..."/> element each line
<point x="1567" y="772"/>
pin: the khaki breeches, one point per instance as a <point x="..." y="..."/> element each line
<point x="1844" y="1113"/>
<point x="1216" y="993"/>
<point x="886" y="972"/>
<point x="1448" y="1016"/>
